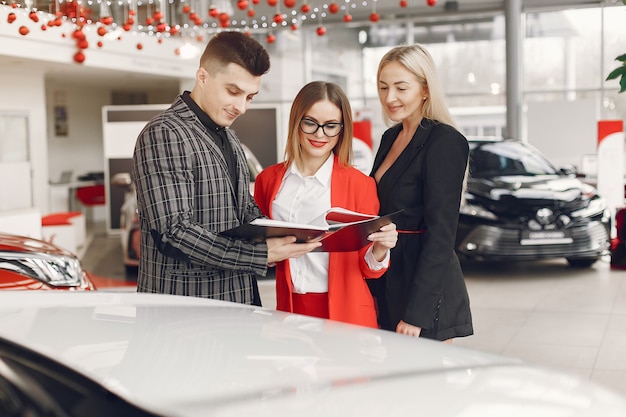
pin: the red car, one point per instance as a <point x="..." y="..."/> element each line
<point x="31" y="264"/>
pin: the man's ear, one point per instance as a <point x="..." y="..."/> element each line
<point x="201" y="75"/>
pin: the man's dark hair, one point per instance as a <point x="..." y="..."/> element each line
<point x="237" y="48"/>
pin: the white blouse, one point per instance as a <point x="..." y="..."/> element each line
<point x="304" y="200"/>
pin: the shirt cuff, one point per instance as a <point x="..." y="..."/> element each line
<point x="373" y="263"/>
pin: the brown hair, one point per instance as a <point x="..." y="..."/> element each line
<point x="237" y="48"/>
<point x="305" y="99"/>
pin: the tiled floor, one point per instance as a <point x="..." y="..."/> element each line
<point x="545" y="313"/>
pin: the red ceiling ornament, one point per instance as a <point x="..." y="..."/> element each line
<point x="186" y="8"/>
<point x="270" y="38"/>
<point x="256" y="1"/>
<point x="374" y="17"/>
<point x="82" y="44"/>
<point x="44" y="27"/>
<point x="161" y="27"/>
<point x="333" y="8"/>
<point x="24" y="30"/>
<point x="11" y="17"/>
<point x="79" y="57"/>
<point x="173" y="30"/>
<point x="290" y="3"/>
<point x="102" y="31"/>
<point x="78" y="34"/>
<point x="14" y="5"/>
<point x="294" y="26"/>
<point x="251" y="12"/>
<point x="347" y="17"/>
<point x="272" y="2"/>
<point x="106" y="20"/>
<point x="157" y="15"/>
<point x="99" y="44"/>
<point x="224" y="19"/>
<point x="305" y="8"/>
<point x="431" y="3"/>
<point x="33" y="16"/>
<point x="403" y="3"/>
<point x="213" y="12"/>
<point x="139" y="46"/>
<point x="248" y="33"/>
<point x="149" y="21"/>
<point x="278" y="18"/>
<point x="242" y="4"/>
<point x="321" y="31"/>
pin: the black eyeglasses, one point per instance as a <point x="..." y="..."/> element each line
<point x="330" y="129"/>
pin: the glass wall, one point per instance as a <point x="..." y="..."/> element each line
<point x="567" y="55"/>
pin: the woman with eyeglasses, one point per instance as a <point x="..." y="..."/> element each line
<point x="315" y="176"/>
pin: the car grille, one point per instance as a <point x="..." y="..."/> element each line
<point x="492" y="242"/>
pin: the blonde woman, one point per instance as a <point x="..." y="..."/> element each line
<point x="420" y="167"/>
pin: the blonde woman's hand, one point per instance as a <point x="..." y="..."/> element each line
<point x="385" y="239"/>
<point x="408" y="329"/>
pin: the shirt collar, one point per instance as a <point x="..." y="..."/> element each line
<point x="322" y="175"/>
<point x="204" y="118"/>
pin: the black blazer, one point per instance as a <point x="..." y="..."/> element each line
<point x="424" y="285"/>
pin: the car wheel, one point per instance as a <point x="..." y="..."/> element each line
<point x="581" y="262"/>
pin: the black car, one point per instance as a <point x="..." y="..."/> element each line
<point x="519" y="207"/>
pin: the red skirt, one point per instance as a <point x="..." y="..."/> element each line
<point x="313" y="304"/>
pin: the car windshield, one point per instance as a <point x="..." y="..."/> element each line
<point x="508" y="158"/>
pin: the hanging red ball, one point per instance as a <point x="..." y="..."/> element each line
<point x="251" y="12"/>
<point x="347" y="18"/>
<point x="107" y="20"/>
<point x="290" y="3"/>
<point x="278" y="18"/>
<point x="131" y="12"/>
<point x="270" y="38"/>
<point x="374" y="17"/>
<point x="173" y="30"/>
<point x="431" y="2"/>
<point x="11" y="17"/>
<point x="33" y="16"/>
<point x="160" y="41"/>
<point x="272" y="2"/>
<point x="102" y="31"/>
<point x="78" y="34"/>
<point x="294" y="26"/>
<point x="157" y="15"/>
<point x="213" y="12"/>
<point x="139" y="46"/>
<point x="321" y="31"/>
<point x="256" y="1"/>
<point x="79" y="57"/>
<point x="161" y="27"/>
<point x="82" y="44"/>
<point x="242" y="4"/>
<point x="186" y="8"/>
<point x="333" y="7"/>
<point x="403" y="3"/>
<point x="44" y="27"/>
<point x="99" y="44"/>
<point x="305" y="8"/>
<point x="149" y="21"/>
<point x="248" y="33"/>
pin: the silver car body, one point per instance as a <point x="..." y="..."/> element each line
<point x="191" y="357"/>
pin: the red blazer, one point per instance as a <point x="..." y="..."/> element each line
<point x="349" y="297"/>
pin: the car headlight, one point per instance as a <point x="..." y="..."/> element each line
<point x="57" y="271"/>
<point x="596" y="207"/>
<point x="474" y="210"/>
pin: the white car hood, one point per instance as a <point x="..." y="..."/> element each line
<point x="182" y="356"/>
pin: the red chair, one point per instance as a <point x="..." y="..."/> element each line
<point x="90" y="196"/>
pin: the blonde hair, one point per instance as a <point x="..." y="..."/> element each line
<point x="418" y="61"/>
<point x="310" y="94"/>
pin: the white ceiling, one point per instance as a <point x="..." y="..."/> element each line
<point x="389" y="11"/>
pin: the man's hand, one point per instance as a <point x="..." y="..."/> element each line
<point x="281" y="248"/>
